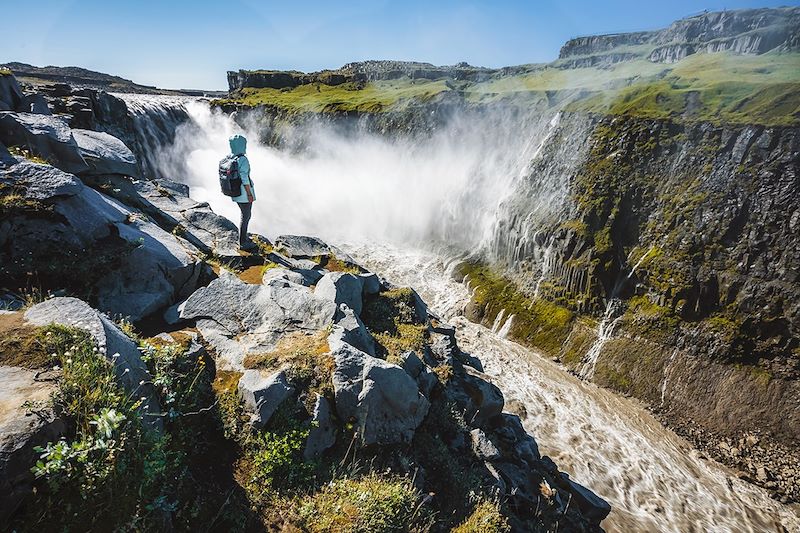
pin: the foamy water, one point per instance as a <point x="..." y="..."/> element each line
<point x="654" y="480"/>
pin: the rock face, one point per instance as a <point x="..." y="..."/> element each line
<point x="240" y="319"/>
<point x="105" y="154"/>
<point x="139" y="268"/>
<point x="263" y="392"/>
<point x="745" y="31"/>
<point x="322" y="434"/>
<point x="21" y="430"/>
<point x="113" y="343"/>
<point x="380" y="397"/>
<point x="45" y="136"/>
<point x="341" y="288"/>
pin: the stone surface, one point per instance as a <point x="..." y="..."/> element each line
<point x="105" y="154"/>
<point x="482" y="446"/>
<point x="262" y="392"/>
<point x="237" y="318"/>
<point x="45" y="136"/>
<point x="22" y="429"/>
<point x="348" y="328"/>
<point x="480" y="400"/>
<point x="112" y="343"/>
<point x="591" y="505"/>
<point x="73" y="221"/>
<point x="380" y="398"/>
<point x="322" y="434"/>
<point x="341" y="288"/>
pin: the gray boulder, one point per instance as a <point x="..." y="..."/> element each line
<point x="302" y="247"/>
<point x="21" y="430"/>
<point x="381" y="398"/>
<point x="117" y="348"/>
<point x="10" y="93"/>
<point x="592" y="506"/>
<point x="284" y="274"/>
<point x="426" y="379"/>
<point x="77" y="221"/>
<point x="322" y="434"/>
<point x="341" y="288"/>
<point x="237" y="318"/>
<point x="262" y="392"/>
<point x="479" y="399"/>
<point x="35" y="103"/>
<point x="46" y="136"/>
<point x="105" y="154"/>
<point x="371" y="283"/>
<point x="348" y="328"/>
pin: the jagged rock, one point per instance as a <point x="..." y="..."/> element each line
<point x="381" y="398"/>
<point x="45" y="136"/>
<point x="302" y="247"/>
<point x="283" y="274"/>
<point x="592" y="506"/>
<point x="10" y="93"/>
<point x="112" y="343"/>
<point x="322" y="434"/>
<point x="307" y="269"/>
<point x="105" y="154"/>
<point x="73" y="221"/>
<point x="21" y="430"/>
<point x="371" y="283"/>
<point x="263" y="392"/>
<point x="348" y="328"/>
<point x="482" y="446"/>
<point x="426" y="379"/>
<point x="35" y="103"/>
<point x="237" y="318"/>
<point x="520" y="481"/>
<point x="480" y="400"/>
<point x="341" y="288"/>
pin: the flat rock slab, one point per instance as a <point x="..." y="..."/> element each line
<point x="105" y="154"/>
<point x="46" y="136"/>
<point x="238" y="318"/>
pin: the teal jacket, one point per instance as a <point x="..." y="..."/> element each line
<point x="238" y="147"/>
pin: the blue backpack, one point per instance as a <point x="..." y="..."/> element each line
<point x="229" y="179"/>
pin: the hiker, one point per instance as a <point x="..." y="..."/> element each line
<point x="234" y="178"/>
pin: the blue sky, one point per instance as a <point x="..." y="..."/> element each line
<point x="182" y="44"/>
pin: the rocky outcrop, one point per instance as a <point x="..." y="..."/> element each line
<point x="45" y="136"/>
<point x="105" y="154"/>
<point x="112" y="344"/>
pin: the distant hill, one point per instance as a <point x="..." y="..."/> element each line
<point x="81" y="77"/>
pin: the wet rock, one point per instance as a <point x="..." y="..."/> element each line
<point x="45" y="136"/>
<point x="105" y="154"/>
<point x="341" y="288"/>
<point x="480" y="400"/>
<point x="348" y="328"/>
<point x="380" y="398"/>
<point x="322" y="434"/>
<point x="262" y="392"/>
<point x="117" y="348"/>
<point x="592" y="506"/>
<point x="21" y="430"/>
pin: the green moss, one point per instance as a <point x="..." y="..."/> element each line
<point x="373" y="97"/>
<point x="5" y="72"/>
<point x="392" y="319"/>
<point x="485" y="518"/>
<point x="369" y="503"/>
<point x="538" y="323"/>
<point x="577" y="226"/>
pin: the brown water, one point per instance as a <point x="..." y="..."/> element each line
<point x="654" y="480"/>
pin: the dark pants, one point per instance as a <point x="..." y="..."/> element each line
<point x="247" y="210"/>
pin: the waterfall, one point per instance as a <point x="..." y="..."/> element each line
<point x="155" y="120"/>
<point x="605" y="330"/>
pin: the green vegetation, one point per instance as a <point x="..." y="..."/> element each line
<point x="486" y="518"/>
<point x="5" y="72"/>
<point x="538" y="323"/>
<point x="370" y="503"/>
<point x="127" y="475"/>
<point x="348" y="97"/>
<point x="392" y="318"/>
<point x="718" y="88"/>
<point x="27" y="154"/>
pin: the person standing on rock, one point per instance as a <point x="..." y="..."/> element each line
<point x="247" y="193"/>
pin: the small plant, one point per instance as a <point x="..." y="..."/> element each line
<point x="444" y="373"/>
<point x="485" y="518"/>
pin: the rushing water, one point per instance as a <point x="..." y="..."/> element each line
<point x="380" y="191"/>
<point x="654" y="480"/>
